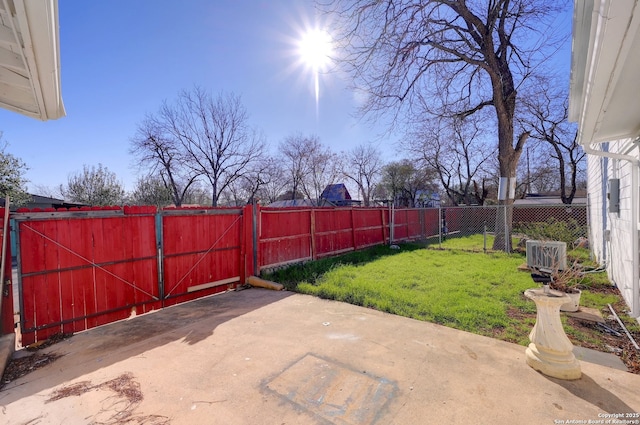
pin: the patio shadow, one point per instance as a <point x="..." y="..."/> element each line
<point x="589" y="390"/>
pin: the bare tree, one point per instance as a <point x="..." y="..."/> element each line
<point x="541" y="178"/>
<point x="458" y="151"/>
<point x="548" y="119"/>
<point x="404" y="182"/>
<point x="161" y="155"/>
<point x="263" y="179"/>
<point x="214" y="135"/>
<point x="363" y="165"/>
<point x="295" y="152"/>
<point x="45" y="190"/>
<point x="323" y="170"/>
<point x="309" y="165"/>
<point x="448" y="58"/>
<point x="274" y="181"/>
<point x="151" y="190"/>
<point x="197" y="195"/>
<point x="93" y="186"/>
<point x="236" y="194"/>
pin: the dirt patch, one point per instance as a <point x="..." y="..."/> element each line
<point x="19" y="367"/>
<point x="124" y="386"/>
<point x="22" y="366"/>
<point x="517" y="314"/>
<point x="119" y="406"/>
<point x="76" y="389"/>
<point x="609" y="338"/>
<point x="53" y="339"/>
<point x="616" y="342"/>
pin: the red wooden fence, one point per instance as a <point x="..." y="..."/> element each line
<point x="291" y="235"/>
<point x="203" y="252"/>
<point x="6" y="295"/>
<point x="82" y="269"/>
<point x="85" y="267"/>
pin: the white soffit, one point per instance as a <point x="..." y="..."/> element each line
<point x="605" y="70"/>
<point x="30" y="58"/>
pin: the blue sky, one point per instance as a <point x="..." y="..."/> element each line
<point x="120" y="59"/>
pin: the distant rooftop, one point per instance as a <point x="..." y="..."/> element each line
<point x="551" y="198"/>
<point x="338" y="195"/>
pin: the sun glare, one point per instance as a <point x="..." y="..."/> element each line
<point x="315" y="49"/>
<point x="310" y="53"/>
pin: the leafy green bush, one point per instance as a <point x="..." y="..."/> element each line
<point x="553" y="229"/>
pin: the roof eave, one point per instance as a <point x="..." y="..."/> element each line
<point x="604" y="70"/>
<point x="37" y="22"/>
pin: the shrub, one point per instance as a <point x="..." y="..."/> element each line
<point x="552" y="229"/>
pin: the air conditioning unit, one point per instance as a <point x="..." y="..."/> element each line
<point x="551" y="255"/>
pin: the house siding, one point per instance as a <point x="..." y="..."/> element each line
<point x="615" y="251"/>
<point x="596" y="174"/>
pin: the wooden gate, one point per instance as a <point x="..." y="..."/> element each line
<point x="202" y="252"/>
<point x="81" y="269"/>
<point x="86" y="267"/>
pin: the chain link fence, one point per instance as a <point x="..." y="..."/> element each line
<point x="543" y="222"/>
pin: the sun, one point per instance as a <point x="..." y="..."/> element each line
<point x="315" y="49"/>
<point x="311" y="53"/>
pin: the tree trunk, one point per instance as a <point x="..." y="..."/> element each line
<point x="508" y="157"/>
<point x="214" y="197"/>
<point x="504" y="217"/>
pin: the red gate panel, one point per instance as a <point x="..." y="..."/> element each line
<point x="79" y="270"/>
<point x="202" y="252"/>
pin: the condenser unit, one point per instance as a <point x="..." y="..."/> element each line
<point x="550" y="255"/>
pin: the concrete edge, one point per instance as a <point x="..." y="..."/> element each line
<point x="7" y="348"/>
<point x="599" y="357"/>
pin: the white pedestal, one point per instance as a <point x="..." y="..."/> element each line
<point x="550" y="351"/>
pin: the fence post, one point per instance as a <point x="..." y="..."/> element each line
<point x="392" y="224"/>
<point x="160" y="248"/>
<point x="246" y="244"/>
<point x="384" y="226"/>
<point x="353" y="231"/>
<point x="507" y="236"/>
<point x="484" y="237"/>
<point x="440" y="226"/>
<point x="312" y="230"/>
<point x="254" y="230"/>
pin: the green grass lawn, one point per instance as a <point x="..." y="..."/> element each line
<point x="459" y="286"/>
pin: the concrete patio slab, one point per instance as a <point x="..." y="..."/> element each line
<point x="266" y="357"/>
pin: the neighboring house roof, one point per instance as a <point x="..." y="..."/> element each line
<point x="30" y="58"/>
<point x="552" y="198"/>
<point x="548" y="200"/>
<point x="335" y="192"/>
<point x="300" y="203"/>
<point x="605" y="69"/>
<point x="338" y="195"/>
<point x="427" y="198"/>
<point x="38" y="201"/>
